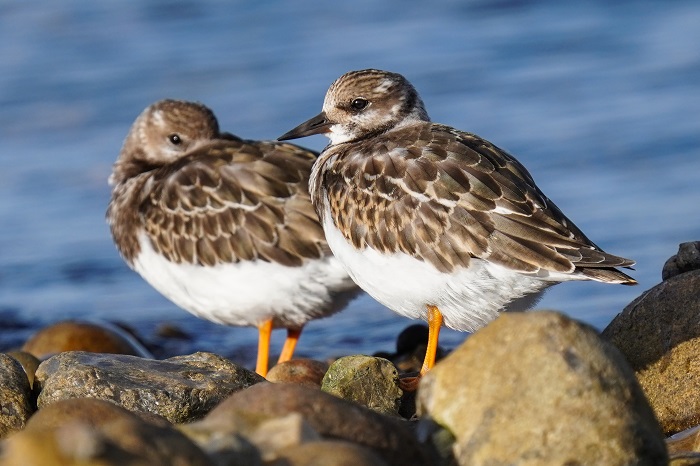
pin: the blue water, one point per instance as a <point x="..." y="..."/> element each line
<point x="600" y="100"/>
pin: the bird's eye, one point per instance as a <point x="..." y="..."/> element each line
<point x="359" y="104"/>
<point x="175" y="139"/>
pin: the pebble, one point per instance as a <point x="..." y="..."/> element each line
<point x="307" y="372"/>
<point x="370" y="381"/>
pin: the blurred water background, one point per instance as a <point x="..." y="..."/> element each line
<point x="600" y="100"/>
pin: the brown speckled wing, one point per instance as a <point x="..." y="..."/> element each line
<point x="234" y="201"/>
<point x="446" y="197"/>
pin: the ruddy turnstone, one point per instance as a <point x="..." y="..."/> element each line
<point x="222" y="226"/>
<point x="433" y="222"/>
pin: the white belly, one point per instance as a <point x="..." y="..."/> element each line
<point x="247" y="293"/>
<point x="468" y="298"/>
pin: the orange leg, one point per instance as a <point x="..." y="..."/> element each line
<point x="410" y="384"/>
<point x="289" y="344"/>
<point x="264" y="332"/>
<point x="434" y="325"/>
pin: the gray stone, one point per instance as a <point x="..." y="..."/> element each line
<point x="15" y="396"/>
<point x="370" y="381"/>
<point x="687" y="259"/>
<point x="181" y="389"/>
<point x="539" y="388"/>
<point x="659" y="334"/>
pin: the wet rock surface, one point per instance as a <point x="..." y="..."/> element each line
<point x="367" y="380"/>
<point x="541" y="389"/>
<point x="659" y="334"/>
<point x="15" y="396"/>
<point x="181" y="389"/>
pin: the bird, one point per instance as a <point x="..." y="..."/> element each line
<point x="433" y="222"/>
<point x="222" y="226"/>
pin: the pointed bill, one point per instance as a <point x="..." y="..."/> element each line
<point x="316" y="125"/>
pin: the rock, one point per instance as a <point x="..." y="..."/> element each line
<point x="90" y="431"/>
<point x="539" y="388"/>
<point x="685" y="459"/>
<point x="83" y="336"/>
<point x="327" y="453"/>
<point x="300" y="371"/>
<point x="15" y="396"/>
<point x="92" y="412"/>
<point x="269" y="434"/>
<point x="224" y="438"/>
<point x="181" y="389"/>
<point x="73" y="445"/>
<point x="29" y="363"/>
<point x="369" y="381"/>
<point x="329" y="416"/>
<point x="687" y="259"/>
<point x="659" y="334"/>
<point x="686" y="441"/>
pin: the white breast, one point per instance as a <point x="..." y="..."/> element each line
<point x="468" y="297"/>
<point x="246" y="293"/>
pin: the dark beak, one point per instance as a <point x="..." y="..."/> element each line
<point x="317" y="125"/>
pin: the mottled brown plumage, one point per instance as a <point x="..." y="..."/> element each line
<point x="224" y="227"/>
<point x="433" y="222"/>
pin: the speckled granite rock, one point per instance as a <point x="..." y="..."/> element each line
<point x="181" y="389"/>
<point x="15" y="396"/>
<point x="659" y="334"/>
<point x="539" y="388"/>
<point x="369" y="381"/>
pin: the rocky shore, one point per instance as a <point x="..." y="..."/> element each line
<point x="528" y="389"/>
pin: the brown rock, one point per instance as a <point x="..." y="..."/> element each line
<point x="83" y="336"/>
<point x="539" y="388"/>
<point x="181" y="389"/>
<point x="73" y="445"/>
<point x="15" y="396"/>
<point x="369" y="381"/>
<point x="327" y="453"/>
<point x="659" y="334"/>
<point x="300" y="371"/>
<point x="92" y="412"/>
<point x="330" y="417"/>
<point x="100" y="432"/>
